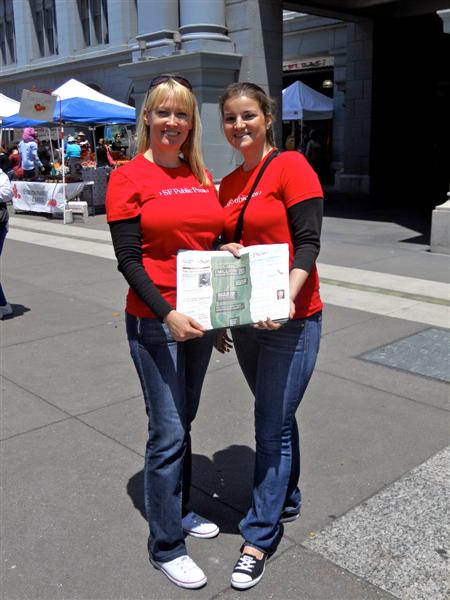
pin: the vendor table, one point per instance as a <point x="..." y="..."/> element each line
<point x="36" y="196"/>
<point x="96" y="197"/>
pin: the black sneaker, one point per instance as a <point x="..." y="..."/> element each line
<point x="290" y="514"/>
<point x="248" y="571"/>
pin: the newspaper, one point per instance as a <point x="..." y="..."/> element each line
<point x="219" y="290"/>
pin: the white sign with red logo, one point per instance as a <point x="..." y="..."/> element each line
<point x="34" y="196"/>
<point x="38" y="106"/>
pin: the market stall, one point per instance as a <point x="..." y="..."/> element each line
<point x="79" y="104"/>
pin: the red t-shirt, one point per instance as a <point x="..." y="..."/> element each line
<point x="287" y="180"/>
<point x="176" y="213"/>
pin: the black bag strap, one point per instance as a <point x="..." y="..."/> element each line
<point x="240" y="222"/>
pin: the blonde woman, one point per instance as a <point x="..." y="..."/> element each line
<point x="160" y="202"/>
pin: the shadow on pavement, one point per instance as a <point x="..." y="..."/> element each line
<point x="221" y="487"/>
<point x="363" y="207"/>
<point x="17" y="311"/>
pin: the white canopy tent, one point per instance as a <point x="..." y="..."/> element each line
<point x="8" y="106"/>
<point x="300" y="102"/>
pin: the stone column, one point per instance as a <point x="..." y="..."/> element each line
<point x="220" y="42"/>
<point x="358" y="95"/>
<point x="122" y="22"/>
<point x="256" y="28"/>
<point x="23" y="23"/>
<point x="202" y="26"/>
<point x="340" y="56"/>
<point x="157" y="24"/>
<point x="70" y="34"/>
<point x="440" y="228"/>
<point x="440" y="217"/>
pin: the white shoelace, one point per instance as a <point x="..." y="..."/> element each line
<point x="246" y="563"/>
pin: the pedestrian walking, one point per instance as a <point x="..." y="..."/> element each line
<point x="160" y="202"/>
<point x="277" y="359"/>
<point x="5" y="196"/>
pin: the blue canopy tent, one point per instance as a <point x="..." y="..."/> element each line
<point x="300" y="102"/>
<point x="78" y="103"/>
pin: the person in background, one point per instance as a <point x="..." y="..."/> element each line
<point x="44" y="156"/>
<point x="290" y="143"/>
<point x="73" y="157"/>
<point x="84" y="145"/>
<point x="4" y="159"/>
<point x="315" y="152"/>
<point x="101" y="152"/>
<point x="117" y="145"/>
<point x="161" y="202"/>
<point x="5" y="196"/>
<point x="15" y="163"/>
<point x="28" y="153"/>
<point x="277" y="359"/>
<point x="304" y="138"/>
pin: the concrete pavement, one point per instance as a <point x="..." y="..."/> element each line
<point x="374" y="428"/>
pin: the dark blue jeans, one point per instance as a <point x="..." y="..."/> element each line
<point x="171" y="376"/>
<point x="277" y="366"/>
<point x="3" y="232"/>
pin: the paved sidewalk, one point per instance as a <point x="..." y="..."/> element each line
<point x="374" y="427"/>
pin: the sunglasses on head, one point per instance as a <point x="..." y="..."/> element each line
<point x="163" y="78"/>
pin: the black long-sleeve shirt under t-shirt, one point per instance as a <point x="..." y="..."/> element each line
<point x="305" y="219"/>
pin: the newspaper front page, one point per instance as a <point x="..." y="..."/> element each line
<point x="219" y="290"/>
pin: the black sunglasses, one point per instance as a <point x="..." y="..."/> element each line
<point x="163" y="78"/>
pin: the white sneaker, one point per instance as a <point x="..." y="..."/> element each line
<point x="5" y="310"/>
<point x="197" y="526"/>
<point x="182" y="571"/>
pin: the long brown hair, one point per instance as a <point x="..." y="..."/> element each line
<point x="251" y="90"/>
<point x="191" y="148"/>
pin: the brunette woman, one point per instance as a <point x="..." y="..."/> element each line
<point x="160" y="202"/>
<point x="277" y="360"/>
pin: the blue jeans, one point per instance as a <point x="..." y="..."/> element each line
<point x="277" y="366"/>
<point x="171" y="376"/>
<point x="3" y="232"/>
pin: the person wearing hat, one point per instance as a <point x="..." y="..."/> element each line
<point x="73" y="157"/>
<point x="28" y="153"/>
<point x="84" y="145"/>
<point x="73" y="149"/>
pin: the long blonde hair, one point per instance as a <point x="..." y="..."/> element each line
<point x="191" y="148"/>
